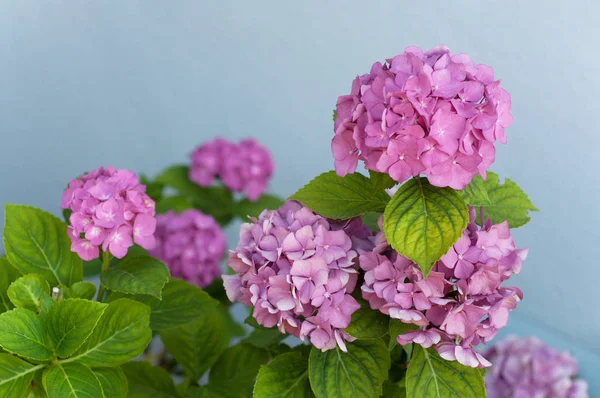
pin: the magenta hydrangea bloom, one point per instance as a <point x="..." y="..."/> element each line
<point x="109" y="208"/>
<point x="191" y="244"/>
<point x="298" y="270"/>
<point x="431" y="113"/>
<point x="527" y="368"/>
<point x="242" y="167"/>
<point x="461" y="303"/>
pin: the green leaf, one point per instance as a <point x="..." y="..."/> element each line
<point x="234" y="372"/>
<point x="393" y="390"/>
<point x="71" y="380"/>
<point x="92" y="268"/>
<point x="423" y="221"/>
<point x="27" y="292"/>
<point x="70" y="322"/>
<point x="8" y="274"/>
<point x="396" y="328"/>
<point x="430" y="376"/>
<point x="36" y="242"/>
<point x="338" y="197"/>
<point x="358" y="373"/>
<point x="197" y="345"/>
<point x="175" y="203"/>
<point x="23" y="333"/>
<point x="475" y="193"/>
<point x="84" y="290"/>
<point x="370" y="219"/>
<point x="286" y="377"/>
<point x="196" y="392"/>
<point x="137" y="275"/>
<point x="367" y="323"/>
<point x="153" y="189"/>
<point x="508" y="202"/>
<point x="265" y="338"/>
<point x="121" y="334"/>
<point x="113" y="382"/>
<point x="245" y="208"/>
<point x="381" y="181"/>
<point x="146" y="381"/>
<point x="15" y="376"/>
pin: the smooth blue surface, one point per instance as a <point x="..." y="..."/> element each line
<point x="137" y="84"/>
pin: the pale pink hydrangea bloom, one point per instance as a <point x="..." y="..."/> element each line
<point x="109" y="207"/>
<point x="461" y="303"/>
<point x="431" y="113"/>
<point x="191" y="244"/>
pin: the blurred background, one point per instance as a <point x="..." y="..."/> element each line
<point x="138" y="84"/>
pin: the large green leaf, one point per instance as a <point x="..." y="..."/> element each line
<point x="381" y="181"/>
<point x="146" y="381"/>
<point x="121" y="334"/>
<point x="367" y="323"/>
<point x="198" y="344"/>
<point x="22" y="332"/>
<point x="70" y="322"/>
<point x="341" y="197"/>
<point x="37" y="242"/>
<point x="423" y="221"/>
<point x="430" y="376"/>
<point x="140" y="274"/>
<point x="113" y="382"/>
<point x="286" y="377"/>
<point x="8" y="274"/>
<point x="245" y="208"/>
<point x="15" y="376"/>
<point x="27" y="292"/>
<point x="508" y="202"/>
<point x="71" y="380"/>
<point x="358" y="373"/>
<point x="234" y="372"/>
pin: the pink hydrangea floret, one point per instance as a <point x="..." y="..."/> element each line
<point x="431" y="113"/>
<point x="461" y="303"/>
<point x="528" y="368"/>
<point x="242" y="167"/>
<point x="109" y="208"/>
<point x="298" y="270"/>
<point x="191" y="244"/>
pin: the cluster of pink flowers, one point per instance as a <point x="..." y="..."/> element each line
<point x="527" y="368"/>
<point x="298" y="270"/>
<point x="429" y="113"/>
<point x="109" y="208"/>
<point x="245" y="166"/>
<point x="191" y="244"/>
<point x="461" y="303"/>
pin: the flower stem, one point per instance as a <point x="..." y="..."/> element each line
<point x="105" y="266"/>
<point x="482" y="215"/>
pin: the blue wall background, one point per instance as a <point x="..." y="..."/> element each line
<point x="137" y="84"/>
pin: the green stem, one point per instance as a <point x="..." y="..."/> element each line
<point x="105" y="266"/>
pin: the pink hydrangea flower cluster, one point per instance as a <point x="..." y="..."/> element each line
<point x="109" y="208"/>
<point x="527" y="368"/>
<point x="245" y="166"/>
<point x="461" y="303"/>
<point x="191" y="244"/>
<point x="298" y="270"/>
<point x="429" y="113"/>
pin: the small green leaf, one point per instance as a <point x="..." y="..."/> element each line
<point x="137" y="275"/>
<point x="341" y="198"/>
<point x="27" y="292"/>
<point x="197" y="345"/>
<point x="430" y="376"/>
<point x="396" y="328"/>
<point x="508" y="202"/>
<point x="358" y="373"/>
<point x="286" y="377"/>
<point x="245" y="208"/>
<point x="423" y="221"/>
<point x="84" y="290"/>
<point x="265" y="338"/>
<point x="23" y="333"/>
<point x="381" y="181"/>
<point x="367" y="323"/>
<point x="176" y="203"/>
<point x="8" y="274"/>
<point x="475" y="194"/>
<point x="234" y="372"/>
<point x="146" y="381"/>
<point x="370" y="219"/>
<point x="92" y="268"/>
<point x="70" y="322"/>
<point x="36" y="242"/>
<point x="71" y="380"/>
<point x="113" y="382"/>
<point x="15" y="376"/>
<point x="121" y="334"/>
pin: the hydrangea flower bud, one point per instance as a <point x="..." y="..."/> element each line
<point x="431" y="113"/>
<point x="109" y="207"/>
<point x="191" y="244"/>
<point x="242" y="167"/>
